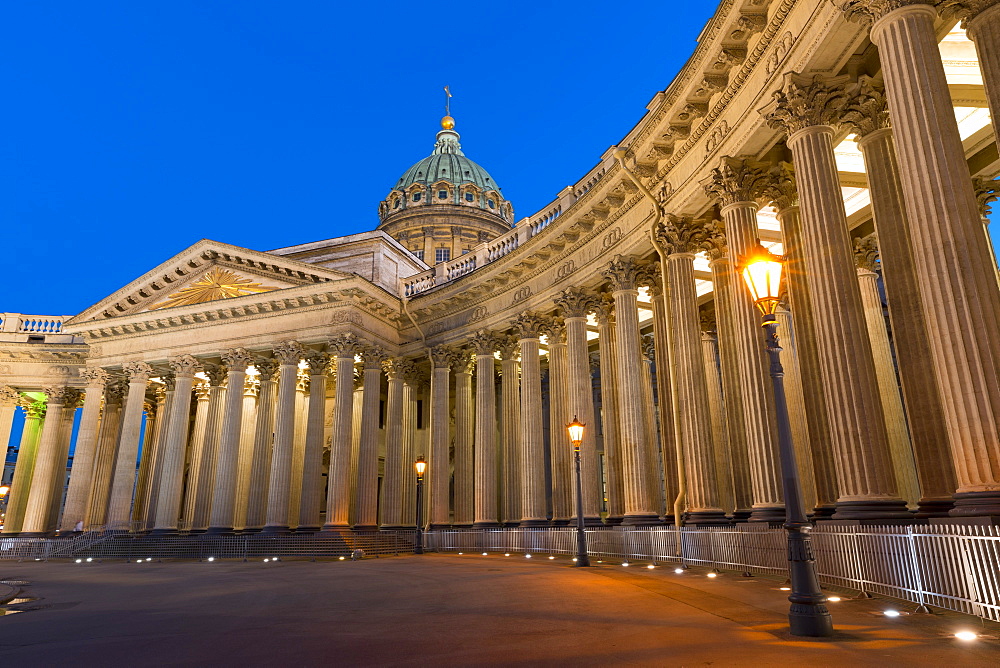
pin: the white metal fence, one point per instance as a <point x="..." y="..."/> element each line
<point x="955" y="567"/>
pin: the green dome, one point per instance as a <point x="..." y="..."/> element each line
<point x="447" y="163"/>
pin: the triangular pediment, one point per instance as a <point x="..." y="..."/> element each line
<point x="206" y="272"/>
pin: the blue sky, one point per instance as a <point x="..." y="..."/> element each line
<point x="133" y="129"/>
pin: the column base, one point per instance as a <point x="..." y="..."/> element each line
<point x="246" y="531"/>
<point x="336" y="528"/>
<point x="511" y="524"/>
<point x="613" y="521"/>
<point x="767" y="514"/>
<point x="889" y="509"/>
<point x="562" y="522"/>
<point x="976" y="504"/>
<point x="31" y="534"/>
<point x="534" y="523"/>
<point x="939" y="507"/>
<point x="486" y="525"/>
<point x="641" y="520"/>
<point x="463" y="525"/>
<point x="742" y="514"/>
<point x="592" y="522"/>
<point x="307" y="529"/>
<point x="219" y="531"/>
<point x="275" y="529"/>
<point x="164" y="531"/>
<point x="824" y="512"/>
<point x="706" y="518"/>
<point x="365" y="527"/>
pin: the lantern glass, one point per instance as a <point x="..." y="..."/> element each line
<point x="762" y="274"/>
<point x="420" y="465"/>
<point x="575" y="429"/>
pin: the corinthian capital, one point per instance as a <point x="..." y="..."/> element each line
<point x="319" y="362"/>
<point x="869" y="11"/>
<point x="734" y="180"/>
<point x="576" y="302"/>
<point x="343" y="345"/>
<point x="185" y="365"/>
<point x="440" y="356"/>
<point x="867" y="109"/>
<point x="95" y="376"/>
<point x="807" y="101"/>
<point x="509" y="347"/>
<point x="531" y="325"/>
<point x="394" y="367"/>
<point x="58" y="395"/>
<point x="623" y="273"/>
<point x="9" y="396"/>
<point x="237" y="359"/>
<point x="289" y="352"/>
<point x="266" y="366"/>
<point x="966" y="10"/>
<point x="779" y="187"/>
<point x="137" y="371"/>
<point x="373" y="356"/>
<point x="987" y="191"/>
<point x="462" y="361"/>
<point x="483" y="342"/>
<point x="681" y="234"/>
<point x="866" y="254"/>
<point x="715" y="240"/>
<point x="216" y="373"/>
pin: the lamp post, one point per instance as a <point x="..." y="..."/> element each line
<point x="808" y="615"/>
<point x="420" y="465"/>
<point x="575" y="429"/>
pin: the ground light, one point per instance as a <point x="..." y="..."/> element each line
<point x="485" y="554"/>
<point x="678" y="570"/>
<point x="625" y="563"/>
<point x="139" y="561"/>
<point x="651" y="567"/>
<point x="211" y="558"/>
<point x="833" y="599"/>
<point x="527" y="556"/>
<point x="89" y="559"/>
<point x="341" y="558"/>
<point x="506" y="554"/>
<point x="891" y="613"/>
<point x="966" y="635"/>
<point x="713" y="575"/>
<point x="79" y="561"/>
<point x="551" y="557"/>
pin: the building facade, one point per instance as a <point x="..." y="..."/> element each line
<point x="232" y="389"/>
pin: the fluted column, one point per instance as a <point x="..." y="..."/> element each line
<point x="251" y="387"/>
<point x="338" y="498"/>
<point x="866" y="255"/>
<point x="795" y="396"/>
<point x="312" y="462"/>
<point x="529" y="327"/>
<point x="301" y="410"/>
<point x="608" y="363"/>
<point x="981" y="20"/>
<point x="8" y="406"/>
<point x="411" y="382"/>
<point x="438" y="474"/>
<point x="171" y="476"/>
<point x="107" y="447"/>
<point x="954" y="267"/>
<point x="483" y="345"/>
<point x="575" y="304"/>
<point x="366" y="514"/>
<point x="288" y="354"/>
<point x="24" y="467"/>
<point x="39" y="499"/>
<point x="655" y="460"/>
<point x="805" y="109"/>
<point x="82" y="472"/>
<point x="640" y="494"/>
<point x="204" y="481"/>
<point x="153" y="410"/>
<point x="462" y="366"/>
<point x="195" y="451"/>
<point x="681" y="238"/>
<point x="260" y="467"/>
<point x="563" y="487"/>
<point x="391" y="503"/>
<point x="223" y="512"/>
<point x="734" y="184"/>
<point x="868" y="114"/>
<point x="720" y="430"/>
<point x="123" y="482"/>
<point x="165" y="404"/>
<point x="729" y="371"/>
<point x="510" y="430"/>
<point x="62" y="457"/>
<point x="779" y="190"/>
<point x="664" y="390"/>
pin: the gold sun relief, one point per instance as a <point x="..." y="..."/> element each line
<point x="218" y="283"/>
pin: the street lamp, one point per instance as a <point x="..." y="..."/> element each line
<point x="420" y="465"/>
<point x="575" y="429"/>
<point x="808" y="615"/>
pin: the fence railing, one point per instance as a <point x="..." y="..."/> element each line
<point x="111" y="546"/>
<point x="955" y="567"/>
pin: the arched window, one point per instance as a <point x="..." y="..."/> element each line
<point x="416" y="196"/>
<point x="469" y="197"/>
<point x="442" y="194"/>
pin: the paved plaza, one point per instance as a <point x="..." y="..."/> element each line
<point x="445" y="610"/>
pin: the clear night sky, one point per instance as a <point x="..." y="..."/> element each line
<point x="132" y="129"/>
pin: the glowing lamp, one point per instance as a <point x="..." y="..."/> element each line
<point x="575" y="429"/>
<point x="420" y="465"/>
<point x="3" y="490"/>
<point x="762" y="272"/>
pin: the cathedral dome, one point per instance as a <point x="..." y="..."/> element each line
<point x="446" y="163"/>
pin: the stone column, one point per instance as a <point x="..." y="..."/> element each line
<point x="462" y="365"/>
<point x="657" y="465"/>
<point x="260" y="467"/>
<point x="575" y="304"/>
<point x="411" y="381"/>
<point x="156" y="465"/>
<point x="510" y="430"/>
<point x="123" y="483"/>
<point x="20" y="486"/>
<point x="251" y="388"/>
<point x="312" y="467"/>
<point x="640" y="494"/>
<point x="40" y="497"/>
<point x="152" y="409"/>
<point x="227" y="460"/>
<point x="729" y="369"/>
<point x="681" y="238"/>
<point x="734" y="184"/>
<point x="8" y="405"/>
<point x="660" y="351"/>
<point x="563" y="485"/>
<point x="868" y="114"/>
<point x="168" y="503"/>
<point x="391" y="504"/>
<point x="610" y="411"/>
<point x="195" y="451"/>
<point x="338" y="498"/>
<point x="301" y="411"/>
<point x="85" y="453"/>
<point x="720" y="430"/>
<point x="288" y="354"/>
<point x="483" y="344"/>
<point x="59" y="481"/>
<point x="531" y="473"/>
<point x="805" y="109"/>
<point x="107" y="448"/>
<point x="779" y="190"/>
<point x="866" y="256"/>
<point x="955" y="274"/>
<point x="366" y="517"/>
<point x="981" y="20"/>
<point x="205" y="480"/>
<point x="438" y="474"/>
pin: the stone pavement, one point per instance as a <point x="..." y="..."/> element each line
<point x="446" y="610"/>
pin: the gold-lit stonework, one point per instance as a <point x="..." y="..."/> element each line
<point x="216" y="284"/>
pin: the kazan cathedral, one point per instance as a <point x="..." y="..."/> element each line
<point x="231" y="389"/>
